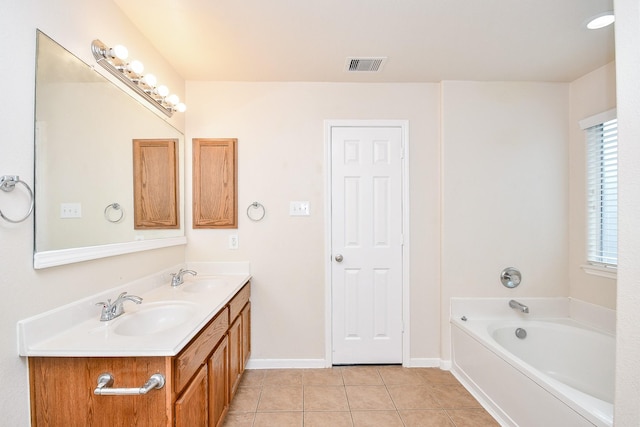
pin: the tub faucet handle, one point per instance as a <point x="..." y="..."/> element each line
<point x="510" y="277"/>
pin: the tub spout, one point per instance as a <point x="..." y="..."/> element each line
<point x="518" y="306"/>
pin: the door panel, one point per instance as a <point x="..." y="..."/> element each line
<point x="366" y="218"/>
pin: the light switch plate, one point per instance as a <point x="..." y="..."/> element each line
<point x="299" y="208"/>
<point x="70" y="210"/>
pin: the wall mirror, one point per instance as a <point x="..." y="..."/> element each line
<point x="84" y="130"/>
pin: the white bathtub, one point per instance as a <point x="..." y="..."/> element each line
<point x="561" y="374"/>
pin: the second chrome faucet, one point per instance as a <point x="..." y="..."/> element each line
<point x="178" y="278"/>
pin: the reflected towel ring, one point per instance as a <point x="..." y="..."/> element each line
<point x="115" y="207"/>
<point x="7" y="184"/>
<point x="256" y="206"/>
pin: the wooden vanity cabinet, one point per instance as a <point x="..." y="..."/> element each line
<point x="62" y="392"/>
<point x="191" y="407"/>
<point x="239" y="331"/>
<point x="219" y="397"/>
<point x="197" y="392"/>
<point x="197" y="370"/>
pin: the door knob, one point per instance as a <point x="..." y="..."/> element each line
<point x="339" y="258"/>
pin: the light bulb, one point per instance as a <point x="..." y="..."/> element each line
<point x="181" y="108"/>
<point x="172" y="99"/>
<point x="149" y="79"/>
<point x="162" y="90"/>
<point x="119" y="52"/>
<point x="601" y="21"/>
<point x="135" y="67"/>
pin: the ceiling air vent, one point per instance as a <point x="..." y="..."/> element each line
<point x="371" y="65"/>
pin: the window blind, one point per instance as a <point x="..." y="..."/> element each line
<point x="602" y="193"/>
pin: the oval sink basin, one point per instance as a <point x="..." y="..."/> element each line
<point x="155" y="318"/>
<point x="202" y="285"/>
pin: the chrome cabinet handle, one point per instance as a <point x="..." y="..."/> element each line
<point x="339" y="258"/>
<point x="105" y="381"/>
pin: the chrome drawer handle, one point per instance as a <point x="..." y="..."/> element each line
<point x="105" y="381"/>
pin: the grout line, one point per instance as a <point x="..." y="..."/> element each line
<point x="344" y="386"/>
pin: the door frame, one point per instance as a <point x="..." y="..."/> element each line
<point x="406" y="324"/>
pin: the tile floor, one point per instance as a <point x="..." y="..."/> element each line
<point x="354" y="396"/>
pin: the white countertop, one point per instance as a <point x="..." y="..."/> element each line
<point x="75" y="330"/>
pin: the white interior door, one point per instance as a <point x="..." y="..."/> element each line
<point x="366" y="245"/>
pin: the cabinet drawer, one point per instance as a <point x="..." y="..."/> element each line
<point x="239" y="301"/>
<point x="195" y="353"/>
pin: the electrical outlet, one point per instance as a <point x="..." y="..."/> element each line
<point x="70" y="210"/>
<point x="233" y="241"/>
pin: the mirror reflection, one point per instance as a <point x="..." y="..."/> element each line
<point x="85" y="127"/>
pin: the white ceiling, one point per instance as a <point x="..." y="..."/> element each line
<point x="424" y="40"/>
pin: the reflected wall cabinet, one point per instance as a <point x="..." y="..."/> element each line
<point x="155" y="184"/>
<point x="215" y="188"/>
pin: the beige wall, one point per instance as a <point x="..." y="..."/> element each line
<point x="281" y="141"/>
<point x="504" y="190"/>
<point x="590" y="95"/>
<point x="281" y="145"/>
<point x="627" y="403"/>
<point x="25" y="292"/>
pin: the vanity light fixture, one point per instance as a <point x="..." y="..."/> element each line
<point x="130" y="73"/>
<point x="601" y="20"/>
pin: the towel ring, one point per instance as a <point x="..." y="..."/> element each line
<point x="115" y="207"/>
<point x="256" y="206"/>
<point x="7" y="184"/>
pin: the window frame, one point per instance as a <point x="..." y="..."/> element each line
<point x="593" y="266"/>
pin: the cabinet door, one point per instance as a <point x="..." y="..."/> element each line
<point x="235" y="354"/>
<point x="215" y="177"/>
<point x="191" y="406"/>
<point x="219" y="383"/>
<point x="155" y="184"/>
<point x="246" y="334"/>
<point x="62" y="392"/>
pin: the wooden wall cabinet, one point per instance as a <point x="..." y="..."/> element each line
<point x="155" y="184"/>
<point x="197" y="392"/>
<point x="215" y="188"/>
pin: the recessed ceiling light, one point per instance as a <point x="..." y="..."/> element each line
<point x="602" y="20"/>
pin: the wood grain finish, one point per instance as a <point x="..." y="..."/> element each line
<point x="219" y="397"/>
<point x="215" y="189"/>
<point x="200" y="380"/>
<point x="62" y="392"/>
<point x="239" y="336"/>
<point x="155" y="183"/>
<point x="239" y="301"/>
<point x="191" y="406"/>
<point x="235" y="355"/>
<point x="246" y="334"/>
<point x="196" y="353"/>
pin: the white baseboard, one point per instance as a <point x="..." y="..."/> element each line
<point x="286" y="363"/>
<point x="431" y="362"/>
<point x="321" y="363"/>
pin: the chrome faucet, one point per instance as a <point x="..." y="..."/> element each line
<point x="518" y="306"/>
<point x="178" y="278"/>
<point x="111" y="310"/>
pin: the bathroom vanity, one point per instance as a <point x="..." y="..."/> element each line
<point x="200" y="371"/>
